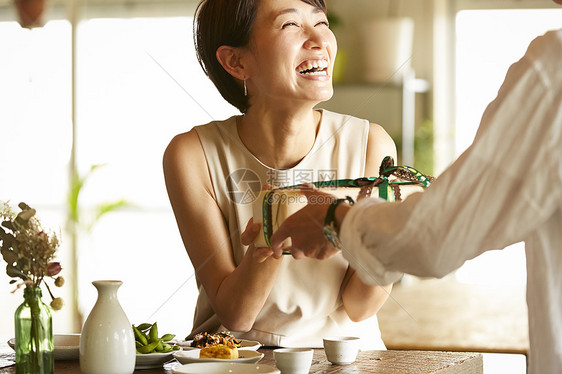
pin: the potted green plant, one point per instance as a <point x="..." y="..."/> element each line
<point x="80" y="223"/>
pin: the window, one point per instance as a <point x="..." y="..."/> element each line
<point x="35" y="116"/>
<point x="481" y="63"/>
<point x="35" y="133"/>
<point x="480" y="70"/>
<point x="138" y="85"/>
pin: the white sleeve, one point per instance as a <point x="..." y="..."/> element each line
<point x="505" y="185"/>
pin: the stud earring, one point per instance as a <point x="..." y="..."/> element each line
<point x="245" y="89"/>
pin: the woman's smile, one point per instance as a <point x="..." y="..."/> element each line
<point x="313" y="68"/>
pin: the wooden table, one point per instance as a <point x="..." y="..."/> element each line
<point x="396" y="362"/>
<point x="373" y="362"/>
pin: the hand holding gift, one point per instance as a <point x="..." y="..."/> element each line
<point x="311" y="221"/>
<point x="305" y="228"/>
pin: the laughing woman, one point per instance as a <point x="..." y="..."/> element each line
<point x="273" y="60"/>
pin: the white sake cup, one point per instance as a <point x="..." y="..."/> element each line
<point x="341" y="350"/>
<point x="293" y="360"/>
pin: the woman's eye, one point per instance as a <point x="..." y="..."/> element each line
<point x="289" y="24"/>
<point x="323" y="23"/>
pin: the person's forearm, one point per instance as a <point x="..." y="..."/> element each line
<point x="362" y="301"/>
<point x="242" y="294"/>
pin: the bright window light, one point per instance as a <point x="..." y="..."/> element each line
<point x="35" y="117"/>
<point x="139" y="84"/>
<point x="488" y="42"/>
<point x="35" y="138"/>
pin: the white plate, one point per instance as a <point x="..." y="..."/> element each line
<point x="244" y="344"/>
<point x="153" y="360"/>
<point x="192" y="356"/>
<point x="224" y="368"/>
<point x="67" y="346"/>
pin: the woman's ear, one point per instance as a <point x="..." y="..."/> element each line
<point x="229" y="58"/>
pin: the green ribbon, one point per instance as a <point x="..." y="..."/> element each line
<point x="267" y="223"/>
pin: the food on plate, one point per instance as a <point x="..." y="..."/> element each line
<point x="204" y="339"/>
<point x="147" y="340"/>
<point x="219" y="351"/>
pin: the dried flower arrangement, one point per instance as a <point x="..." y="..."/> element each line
<point x="29" y="250"/>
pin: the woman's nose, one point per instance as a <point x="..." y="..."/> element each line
<point x="316" y="39"/>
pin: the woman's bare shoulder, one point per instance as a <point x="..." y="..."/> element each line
<point x="184" y="160"/>
<point x="184" y="148"/>
<point x="379" y="137"/>
<point x="184" y="143"/>
<point x="379" y="145"/>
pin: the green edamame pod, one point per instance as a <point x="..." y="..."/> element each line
<point x="144" y="326"/>
<point x="159" y="346"/>
<point x="153" y="334"/>
<point x="148" y="348"/>
<point x="138" y="344"/>
<point x="167" y="337"/>
<point x="165" y="348"/>
<point x="140" y="336"/>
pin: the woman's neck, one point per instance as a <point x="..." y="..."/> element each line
<point x="279" y="139"/>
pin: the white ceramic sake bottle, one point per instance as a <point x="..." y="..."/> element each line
<point x="107" y="342"/>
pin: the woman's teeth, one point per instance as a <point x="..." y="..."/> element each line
<point x="313" y="68"/>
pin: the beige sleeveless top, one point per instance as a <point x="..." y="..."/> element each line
<point x="305" y="303"/>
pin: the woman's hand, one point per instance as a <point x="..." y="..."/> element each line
<point x="305" y="228"/>
<point x="259" y="254"/>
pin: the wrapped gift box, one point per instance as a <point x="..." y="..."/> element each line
<point x="394" y="183"/>
<point x="272" y="207"/>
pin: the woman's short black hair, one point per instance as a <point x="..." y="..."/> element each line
<point x="226" y="22"/>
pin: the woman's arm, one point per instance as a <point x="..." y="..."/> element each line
<point x="207" y="240"/>
<point x="360" y="300"/>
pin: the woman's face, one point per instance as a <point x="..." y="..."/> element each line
<point x="291" y="52"/>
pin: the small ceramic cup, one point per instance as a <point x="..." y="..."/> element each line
<point x="341" y="350"/>
<point x="293" y="360"/>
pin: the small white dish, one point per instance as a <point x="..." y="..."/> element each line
<point x="341" y="350"/>
<point x="244" y="344"/>
<point x="224" y="368"/>
<point x="293" y="360"/>
<point x="67" y="346"/>
<point x="192" y="356"/>
<point x="153" y="360"/>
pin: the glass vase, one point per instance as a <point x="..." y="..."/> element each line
<point x="34" y="335"/>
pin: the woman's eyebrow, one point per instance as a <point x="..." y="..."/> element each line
<point x="286" y="11"/>
<point x="294" y="10"/>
